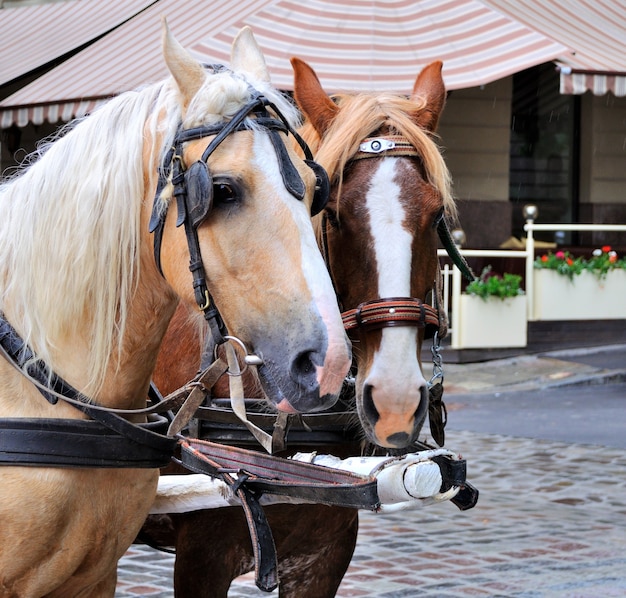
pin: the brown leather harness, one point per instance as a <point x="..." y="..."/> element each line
<point x="110" y="440"/>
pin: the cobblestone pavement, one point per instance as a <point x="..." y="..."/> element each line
<point x="550" y="523"/>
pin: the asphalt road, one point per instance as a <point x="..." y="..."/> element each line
<point x="587" y="414"/>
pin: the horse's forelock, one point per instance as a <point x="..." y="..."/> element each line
<point x="360" y="115"/>
<point x="223" y="94"/>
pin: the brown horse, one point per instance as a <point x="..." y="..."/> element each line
<point x="84" y="304"/>
<point x="389" y="191"/>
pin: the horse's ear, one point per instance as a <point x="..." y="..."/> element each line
<point x="246" y="56"/>
<point x="311" y="97"/>
<point x="429" y="87"/>
<point x="187" y="72"/>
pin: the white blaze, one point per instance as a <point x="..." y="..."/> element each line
<point x="395" y="364"/>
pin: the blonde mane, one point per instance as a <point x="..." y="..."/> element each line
<point x="69" y="230"/>
<point x="363" y="114"/>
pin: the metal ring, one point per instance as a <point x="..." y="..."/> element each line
<point x="249" y="358"/>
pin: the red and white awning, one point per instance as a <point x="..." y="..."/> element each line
<point x="352" y="44"/>
<point x="33" y="36"/>
<point x="594" y="33"/>
<point x="578" y="81"/>
<point x="39" y="113"/>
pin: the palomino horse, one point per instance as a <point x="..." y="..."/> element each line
<point x="389" y="192"/>
<point x="85" y="304"/>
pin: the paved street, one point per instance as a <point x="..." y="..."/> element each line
<point x="551" y="518"/>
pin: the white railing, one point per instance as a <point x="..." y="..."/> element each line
<point x="452" y="276"/>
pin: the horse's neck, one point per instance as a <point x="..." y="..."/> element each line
<point x="128" y="378"/>
<point x="128" y="375"/>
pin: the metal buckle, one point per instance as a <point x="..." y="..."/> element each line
<point x="376" y="146"/>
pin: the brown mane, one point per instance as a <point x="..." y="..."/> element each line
<point x="362" y="115"/>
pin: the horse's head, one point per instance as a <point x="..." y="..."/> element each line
<point x="239" y="202"/>
<point x="389" y="190"/>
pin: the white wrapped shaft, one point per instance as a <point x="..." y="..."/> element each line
<point x="410" y="481"/>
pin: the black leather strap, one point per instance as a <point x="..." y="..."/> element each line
<point x="153" y="443"/>
<point x="453" y="250"/>
<point x="263" y="545"/>
<point x="76" y="443"/>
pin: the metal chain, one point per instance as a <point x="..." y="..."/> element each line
<point x="437" y="376"/>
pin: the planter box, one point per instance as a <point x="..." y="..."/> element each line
<point x="495" y="323"/>
<point x="556" y="297"/>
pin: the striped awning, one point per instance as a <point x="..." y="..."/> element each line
<point x="594" y="33"/>
<point x="352" y="44"/>
<point x="126" y="58"/>
<point x="367" y="45"/>
<point x="33" y="36"/>
<point x="578" y="81"/>
<point x="54" y="112"/>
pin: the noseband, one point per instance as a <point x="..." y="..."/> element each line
<point x="398" y="311"/>
<point x="193" y="186"/>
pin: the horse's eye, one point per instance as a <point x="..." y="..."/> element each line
<point x="224" y="193"/>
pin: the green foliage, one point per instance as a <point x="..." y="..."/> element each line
<point x="602" y="261"/>
<point x="493" y="285"/>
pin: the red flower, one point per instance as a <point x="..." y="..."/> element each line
<point x="544" y="258"/>
<point x="606" y="248"/>
<point x="569" y="261"/>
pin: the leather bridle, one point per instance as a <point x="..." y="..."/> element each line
<point x="109" y="439"/>
<point x="194" y="194"/>
<point x="397" y="311"/>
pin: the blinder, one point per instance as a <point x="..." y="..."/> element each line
<point x="199" y="197"/>
<point x="322" y="187"/>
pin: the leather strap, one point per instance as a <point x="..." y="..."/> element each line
<point x="16" y="350"/>
<point x="263" y="546"/>
<point x="275" y="475"/>
<point x="76" y="443"/>
<point x="396" y="311"/>
<point x="437" y="413"/>
<point x="251" y="474"/>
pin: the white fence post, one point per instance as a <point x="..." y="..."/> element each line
<point x="528" y="277"/>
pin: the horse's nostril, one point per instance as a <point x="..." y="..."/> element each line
<point x="369" y="409"/>
<point x="304" y="367"/>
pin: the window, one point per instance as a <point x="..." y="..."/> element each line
<point x="544" y="149"/>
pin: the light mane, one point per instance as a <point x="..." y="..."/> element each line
<point x="70" y="225"/>
<point x="363" y="114"/>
